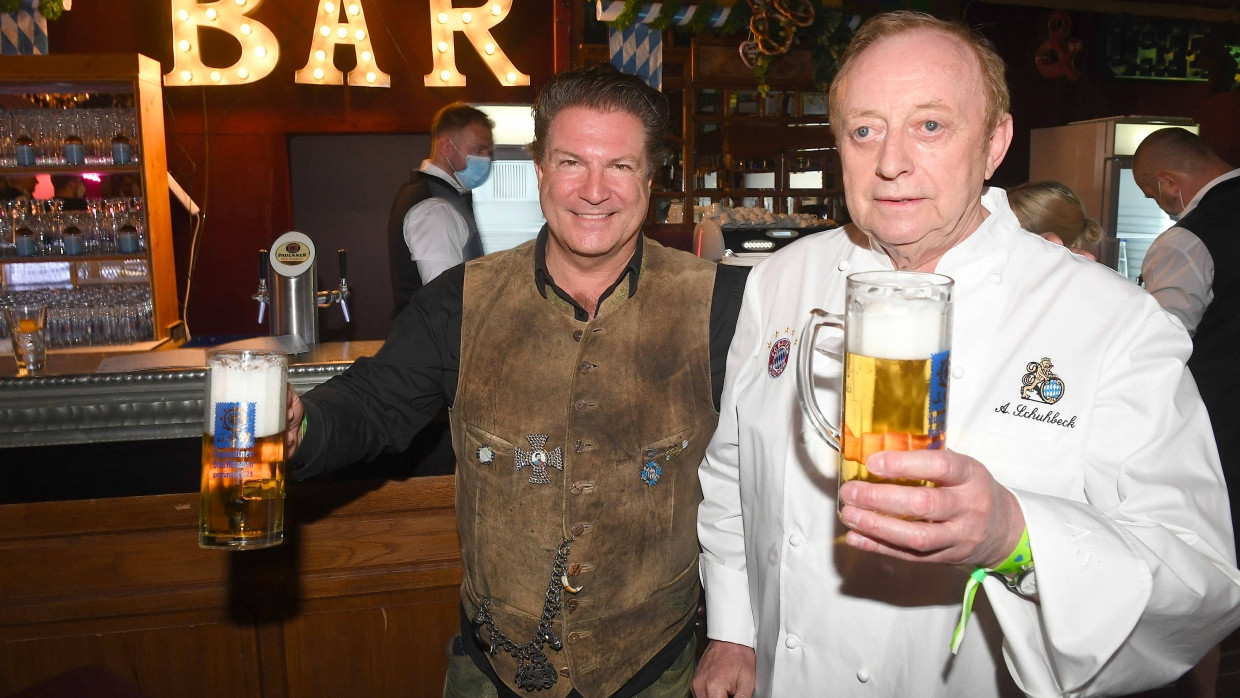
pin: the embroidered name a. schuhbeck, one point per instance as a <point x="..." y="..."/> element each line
<point x="1039" y="384"/>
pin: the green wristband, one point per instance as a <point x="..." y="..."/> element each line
<point x="1020" y="559"/>
<point x="305" y="422"/>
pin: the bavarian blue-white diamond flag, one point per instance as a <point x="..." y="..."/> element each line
<point x="23" y="33"/>
<point x="638" y="51"/>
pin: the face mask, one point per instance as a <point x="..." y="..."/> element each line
<point x="1175" y="217"/>
<point x="477" y="168"/>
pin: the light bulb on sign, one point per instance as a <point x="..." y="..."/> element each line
<point x="259" y="49"/>
<point x="475" y="23"/>
<point x="320" y="69"/>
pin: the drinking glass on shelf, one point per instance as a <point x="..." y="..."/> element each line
<point x="26" y="323"/>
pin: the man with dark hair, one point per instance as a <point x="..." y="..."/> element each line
<point x="431" y="227"/>
<point x="584" y="371"/>
<point x="1092" y="518"/>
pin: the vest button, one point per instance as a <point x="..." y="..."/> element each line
<point x="571" y="605"/>
<point x="576" y="488"/>
<point x="577" y="335"/>
<point x="578" y="529"/>
<point x="577" y="446"/>
<point x="574" y="569"/>
<point x="584" y="367"/>
<point x="580" y="405"/>
<point x="564" y="672"/>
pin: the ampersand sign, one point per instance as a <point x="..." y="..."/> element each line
<point x="1056" y="56"/>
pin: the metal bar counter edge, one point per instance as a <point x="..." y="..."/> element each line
<point x="71" y="403"/>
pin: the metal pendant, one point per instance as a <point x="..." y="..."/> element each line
<point x="539" y="458"/>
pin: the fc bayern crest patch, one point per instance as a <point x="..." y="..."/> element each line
<point x="780" y="353"/>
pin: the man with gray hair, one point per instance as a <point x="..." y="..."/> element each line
<point x="584" y="371"/>
<point x="1092" y="516"/>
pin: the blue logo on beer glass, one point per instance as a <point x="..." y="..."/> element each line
<point x="940" y="364"/>
<point x="234" y="424"/>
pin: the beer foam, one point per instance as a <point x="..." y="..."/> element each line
<point x="907" y="329"/>
<point x="253" y="378"/>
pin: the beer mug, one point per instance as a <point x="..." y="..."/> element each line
<point x="242" y="505"/>
<point x="897" y="350"/>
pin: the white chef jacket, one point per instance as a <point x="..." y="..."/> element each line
<point x="1179" y="270"/>
<point x="1119" y="482"/>
<point x="434" y="231"/>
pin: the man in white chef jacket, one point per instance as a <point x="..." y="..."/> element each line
<point x="1116" y="486"/>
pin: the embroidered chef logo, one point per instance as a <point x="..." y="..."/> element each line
<point x="780" y="351"/>
<point x="1040" y="383"/>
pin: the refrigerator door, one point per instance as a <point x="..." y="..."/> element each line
<point x="1131" y="221"/>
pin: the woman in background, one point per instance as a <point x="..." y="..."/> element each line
<point x="1052" y="210"/>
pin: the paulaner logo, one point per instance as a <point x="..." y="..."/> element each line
<point x="292" y="253"/>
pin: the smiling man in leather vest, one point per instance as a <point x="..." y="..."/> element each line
<point x="584" y="371"/>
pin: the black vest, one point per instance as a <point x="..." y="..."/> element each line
<point x="404" y="270"/>
<point x="1215" y="362"/>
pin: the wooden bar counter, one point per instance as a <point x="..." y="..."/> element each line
<point x="360" y="600"/>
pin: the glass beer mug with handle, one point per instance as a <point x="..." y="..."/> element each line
<point x="897" y="351"/>
<point x="242" y="504"/>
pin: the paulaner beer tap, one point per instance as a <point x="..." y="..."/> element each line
<point x="294" y="299"/>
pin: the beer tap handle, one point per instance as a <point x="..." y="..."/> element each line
<point x="342" y="259"/>
<point x="262" y="294"/>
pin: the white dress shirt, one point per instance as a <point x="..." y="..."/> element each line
<point x="1119" y="483"/>
<point x="1179" y="270"/>
<point x="434" y="231"/>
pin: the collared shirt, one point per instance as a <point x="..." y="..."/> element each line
<point x="1179" y="270"/>
<point x="434" y="232"/>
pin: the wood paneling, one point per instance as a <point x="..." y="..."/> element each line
<point x="361" y="599"/>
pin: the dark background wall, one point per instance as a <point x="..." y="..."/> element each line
<point x="230" y="146"/>
<point x="1038" y="102"/>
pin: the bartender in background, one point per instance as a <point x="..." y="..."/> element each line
<point x="1193" y="270"/>
<point x="431" y="226"/>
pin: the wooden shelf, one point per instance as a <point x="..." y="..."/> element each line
<point x="128" y="76"/>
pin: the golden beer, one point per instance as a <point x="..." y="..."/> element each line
<point x="891" y="405"/>
<point x="242" y="493"/>
<point x="896" y="356"/>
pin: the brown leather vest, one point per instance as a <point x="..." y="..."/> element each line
<point x="624" y="395"/>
